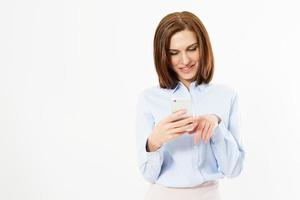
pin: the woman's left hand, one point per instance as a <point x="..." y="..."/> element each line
<point x="205" y="126"/>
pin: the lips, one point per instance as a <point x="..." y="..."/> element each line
<point x="186" y="69"/>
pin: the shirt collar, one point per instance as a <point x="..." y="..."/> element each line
<point x="180" y="84"/>
<point x="192" y="86"/>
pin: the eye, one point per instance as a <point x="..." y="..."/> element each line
<point x="173" y="53"/>
<point x="193" y="49"/>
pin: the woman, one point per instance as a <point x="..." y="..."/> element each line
<point x="184" y="155"/>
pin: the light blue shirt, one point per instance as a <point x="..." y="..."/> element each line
<point x="180" y="162"/>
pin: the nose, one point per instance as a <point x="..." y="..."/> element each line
<point x="185" y="59"/>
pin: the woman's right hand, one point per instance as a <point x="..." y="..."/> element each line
<point x="169" y="129"/>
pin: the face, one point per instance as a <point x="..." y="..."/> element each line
<point x="184" y="54"/>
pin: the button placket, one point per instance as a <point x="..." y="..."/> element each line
<point x="195" y="146"/>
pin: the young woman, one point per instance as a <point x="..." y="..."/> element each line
<point x="184" y="155"/>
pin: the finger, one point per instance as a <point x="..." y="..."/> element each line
<point x="195" y="122"/>
<point x="173" y="136"/>
<point x="204" y="132"/>
<point x="199" y="131"/>
<point x="193" y="130"/>
<point x="175" y="116"/>
<point x="182" y="129"/>
<point x="197" y="137"/>
<point x="209" y="132"/>
<point x="183" y="122"/>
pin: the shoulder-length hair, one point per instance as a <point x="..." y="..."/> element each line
<point x="168" y="26"/>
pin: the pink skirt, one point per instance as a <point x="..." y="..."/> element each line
<point x="205" y="191"/>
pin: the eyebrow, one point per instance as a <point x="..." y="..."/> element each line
<point x="187" y="47"/>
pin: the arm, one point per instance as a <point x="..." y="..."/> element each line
<point x="149" y="162"/>
<point x="226" y="143"/>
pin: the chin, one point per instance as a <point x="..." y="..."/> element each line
<point x="188" y="77"/>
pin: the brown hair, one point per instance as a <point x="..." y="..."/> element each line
<point x="168" y="26"/>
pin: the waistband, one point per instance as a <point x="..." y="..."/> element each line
<point x="206" y="184"/>
<point x="202" y="185"/>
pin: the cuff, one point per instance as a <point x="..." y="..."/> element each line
<point x="219" y="133"/>
<point x="156" y="156"/>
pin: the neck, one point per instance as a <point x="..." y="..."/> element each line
<point x="186" y="84"/>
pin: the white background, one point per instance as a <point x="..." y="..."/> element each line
<point x="70" y="73"/>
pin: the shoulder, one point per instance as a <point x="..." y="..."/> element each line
<point x="150" y="96"/>
<point x="223" y="89"/>
<point x="145" y="93"/>
<point x="152" y="92"/>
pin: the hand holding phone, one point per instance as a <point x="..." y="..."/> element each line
<point x="170" y="128"/>
<point x="179" y="104"/>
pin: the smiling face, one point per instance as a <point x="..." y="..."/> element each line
<point x="184" y="55"/>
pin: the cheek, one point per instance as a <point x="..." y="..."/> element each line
<point x="195" y="56"/>
<point x="174" y="61"/>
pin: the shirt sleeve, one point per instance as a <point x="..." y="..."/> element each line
<point x="227" y="145"/>
<point x="149" y="162"/>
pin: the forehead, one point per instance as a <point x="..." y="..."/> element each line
<point x="182" y="39"/>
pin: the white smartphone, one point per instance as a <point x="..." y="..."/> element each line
<point x="178" y="104"/>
